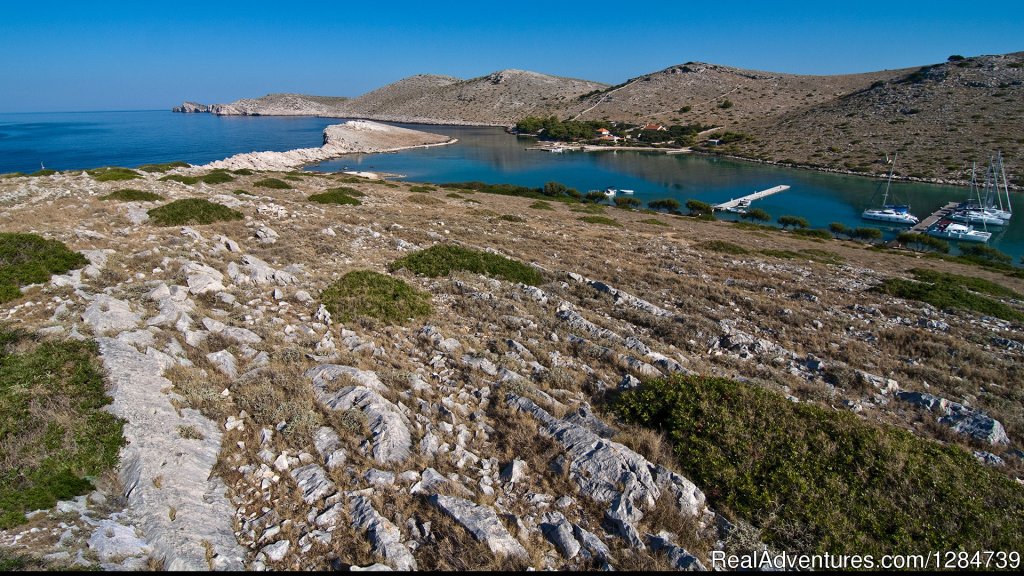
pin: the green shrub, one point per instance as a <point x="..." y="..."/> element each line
<point x="725" y="104"/>
<point x="243" y="172"/>
<point x="696" y="207"/>
<point x="334" y="197"/>
<point x="113" y="174"/>
<point x="367" y="294"/>
<point x="721" y="246"/>
<point x="217" y="177"/>
<point x="813" y="233"/>
<point x="866" y="233"/>
<point x="192" y="211"/>
<point x="627" y="203"/>
<point x="756" y="214"/>
<point x="241" y="192"/>
<point x="30" y="259"/>
<point x="42" y="172"/>
<point x="273" y="183"/>
<point x="512" y="218"/>
<point x="600" y="220"/>
<point x="132" y="195"/>
<point x="56" y="435"/>
<point x="164" y="167"/>
<point x="347" y="191"/>
<point x="923" y="241"/>
<point x="985" y="254"/>
<point x="953" y="291"/>
<point x="541" y="205"/>
<point x="794" y="221"/>
<point x="189" y="180"/>
<point x="816" y="480"/>
<point x="838" y="228"/>
<point x="422" y="189"/>
<point x="443" y="259"/>
<point x="784" y="254"/>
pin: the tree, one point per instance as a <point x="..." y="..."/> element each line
<point x="554" y="189"/>
<point x="757" y="214"/>
<point x="595" y="196"/>
<point x="698" y="208"/>
<point x="922" y="242"/>
<point x="794" y="221"/>
<point x="955" y="58"/>
<point x="867" y="234"/>
<point x="666" y="204"/>
<point x="627" y="202"/>
<point x="838" y="228"/>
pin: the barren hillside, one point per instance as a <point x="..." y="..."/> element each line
<point x="940" y="118"/>
<point x="338" y="371"/>
<point x="717" y="95"/>
<point x="282" y="105"/>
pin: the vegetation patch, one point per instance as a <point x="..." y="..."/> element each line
<point x="113" y="174"/>
<point x="443" y="259"/>
<point x="192" y="211"/>
<point x="654" y="222"/>
<point x="589" y="209"/>
<point x="600" y="220"/>
<point x="816" y="233"/>
<point x="243" y="172"/>
<point x="419" y="188"/>
<point x="273" y="183"/>
<point x="334" y="197"/>
<point x="132" y="195"/>
<point x="42" y="172"/>
<point x="541" y="205"/>
<point x="816" y="480"/>
<point x="721" y="246"/>
<point x="241" y="192"/>
<point x="944" y="291"/>
<point x="347" y="191"/>
<point x="367" y="294"/>
<point x="214" y="177"/>
<point x="55" y="435"/>
<point x="164" y="167"/>
<point x="512" y="218"/>
<point x="30" y="259"/>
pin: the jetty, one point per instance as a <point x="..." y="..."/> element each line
<point x="750" y="197"/>
<point x="939" y="214"/>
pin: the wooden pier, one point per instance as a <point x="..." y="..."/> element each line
<point x="751" y="197"/>
<point x="939" y="214"/>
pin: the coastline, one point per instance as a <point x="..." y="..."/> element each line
<point x="351" y="137"/>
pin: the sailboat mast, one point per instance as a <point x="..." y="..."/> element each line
<point x="885" y="197"/>
<point x="1006" y="187"/>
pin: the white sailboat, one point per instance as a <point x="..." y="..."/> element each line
<point x="894" y="213"/>
<point x="973" y="210"/>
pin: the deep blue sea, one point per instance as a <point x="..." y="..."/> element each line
<point x="91" y="139"/>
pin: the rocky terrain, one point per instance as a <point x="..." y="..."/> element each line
<point x="266" y="433"/>
<point x="346" y="138"/>
<point x="940" y="117"/>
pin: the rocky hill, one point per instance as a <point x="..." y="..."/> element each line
<point x="717" y="95"/>
<point x="281" y="105"/>
<point x="424" y="378"/>
<point x="940" y="118"/>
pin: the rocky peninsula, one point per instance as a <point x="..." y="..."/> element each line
<point x="354" y="136"/>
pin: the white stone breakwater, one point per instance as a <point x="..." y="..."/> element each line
<point x="352" y="137"/>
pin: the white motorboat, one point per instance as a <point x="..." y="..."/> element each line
<point x="949" y="230"/>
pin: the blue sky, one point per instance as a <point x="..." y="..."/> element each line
<point x="141" y="55"/>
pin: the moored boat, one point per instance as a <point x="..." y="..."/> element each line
<point x="949" y="230"/>
<point x="894" y="213"/>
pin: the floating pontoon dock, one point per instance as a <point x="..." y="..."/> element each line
<point x="750" y="197"/>
<point x="935" y="217"/>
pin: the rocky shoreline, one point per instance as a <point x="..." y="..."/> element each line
<point x="354" y="136"/>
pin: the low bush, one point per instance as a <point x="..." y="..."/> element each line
<point x="628" y="203"/>
<point x="953" y="291"/>
<point x="132" y="195"/>
<point x="422" y="189"/>
<point x="815" y="480"/>
<point x="214" y="177"/>
<point x="334" y="197"/>
<point x="164" y="167"/>
<point x="721" y="246"/>
<point x="192" y="211"/>
<point x="56" y="435"/>
<point x="606" y="221"/>
<point x="30" y="259"/>
<point x="512" y="218"/>
<point x="541" y="205"/>
<point x="813" y="233"/>
<point x="113" y="174"/>
<point x="272" y="183"/>
<point x="653" y="222"/>
<point x="243" y="172"/>
<point x="42" y="172"/>
<point x="367" y="294"/>
<point x="443" y="259"/>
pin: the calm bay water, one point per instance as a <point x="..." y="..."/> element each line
<point x="91" y="139"/>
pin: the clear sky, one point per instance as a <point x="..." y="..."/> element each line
<point x="57" y="56"/>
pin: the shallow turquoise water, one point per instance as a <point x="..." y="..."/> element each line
<point x="91" y="139"/>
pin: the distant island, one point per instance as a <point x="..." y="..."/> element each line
<point x="940" y="117"/>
